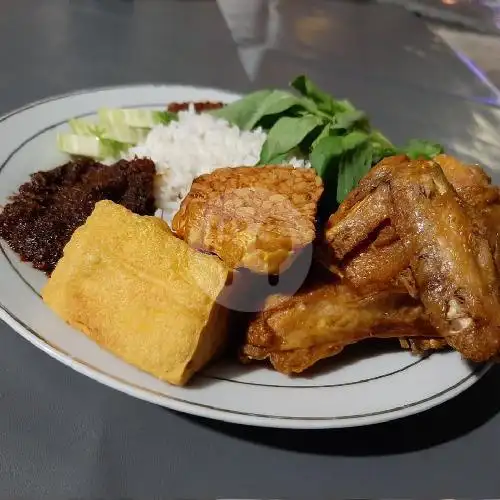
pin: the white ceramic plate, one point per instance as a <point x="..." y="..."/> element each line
<point x="354" y="389"/>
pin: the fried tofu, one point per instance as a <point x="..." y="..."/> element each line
<point x="253" y="217"/>
<point x="134" y="288"/>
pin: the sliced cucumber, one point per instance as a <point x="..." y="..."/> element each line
<point x="105" y="130"/>
<point x="136" y="118"/>
<point x="90" y="146"/>
<point x="116" y="131"/>
<point x="83" y="127"/>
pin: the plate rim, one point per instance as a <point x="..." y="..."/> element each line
<point x="231" y="416"/>
<point x="199" y="409"/>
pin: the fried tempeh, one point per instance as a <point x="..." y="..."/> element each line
<point x="258" y="218"/>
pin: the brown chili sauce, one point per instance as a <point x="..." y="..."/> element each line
<point x="40" y="219"/>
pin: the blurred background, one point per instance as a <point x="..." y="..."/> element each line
<point x="470" y="27"/>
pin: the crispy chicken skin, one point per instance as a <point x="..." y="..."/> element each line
<point x="368" y="206"/>
<point x="474" y="187"/>
<point x="294" y="332"/>
<point x="258" y="218"/>
<point x="461" y="175"/>
<point x="289" y="362"/>
<point x="444" y="215"/>
<point x="364" y="209"/>
<point x="451" y="259"/>
<point x="422" y="345"/>
<point x="347" y="229"/>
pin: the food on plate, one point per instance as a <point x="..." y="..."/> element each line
<point x="305" y="127"/>
<point x="199" y="107"/>
<point x="39" y="220"/>
<point x="337" y="138"/>
<point x="258" y="218"/>
<point x="363" y="210"/>
<point x="326" y="316"/>
<point x="421" y="345"/>
<point x="134" y="288"/>
<point x="450" y="258"/>
<point x="444" y="244"/>
<point x="194" y="145"/>
<point x="405" y="240"/>
<point x="117" y="130"/>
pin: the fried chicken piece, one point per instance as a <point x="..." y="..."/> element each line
<point x="446" y="215"/>
<point x="364" y="209"/>
<point x="461" y="175"/>
<point x="294" y="332"/>
<point x="367" y="207"/>
<point x="253" y="217"/>
<point x="289" y="362"/>
<point x="471" y="183"/>
<point x="422" y="345"/>
<point x="474" y="187"/>
<point x="346" y="230"/>
<point x="377" y="263"/>
<point x="451" y="259"/>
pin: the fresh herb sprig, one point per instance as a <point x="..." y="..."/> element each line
<point x="337" y="138"/>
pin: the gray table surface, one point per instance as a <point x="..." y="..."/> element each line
<point x="65" y="436"/>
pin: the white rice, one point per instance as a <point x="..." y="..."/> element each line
<point x="196" y="144"/>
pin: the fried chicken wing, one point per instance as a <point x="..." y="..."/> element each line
<point x="364" y="209"/>
<point x="377" y="263"/>
<point x="289" y="362"/>
<point x="445" y="217"/>
<point x="422" y="345"/>
<point x="474" y="188"/>
<point x="258" y="218"/>
<point x="294" y="332"/>
<point x="461" y="175"/>
<point x="348" y="229"/>
<point x="368" y="206"/>
<point x="451" y="259"/>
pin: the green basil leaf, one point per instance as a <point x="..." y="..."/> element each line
<point x="353" y="165"/>
<point x="354" y="140"/>
<point x="287" y="134"/>
<point x="247" y="112"/>
<point x="280" y="158"/>
<point x="347" y="120"/>
<point x="380" y="152"/>
<point x="324" y="102"/>
<point x="326" y="132"/>
<point x="323" y="154"/>
<point x="418" y="148"/>
<point x="242" y="111"/>
<point x="165" y="117"/>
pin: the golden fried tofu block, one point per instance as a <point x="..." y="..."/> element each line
<point x="253" y="217"/>
<point x="134" y="288"/>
